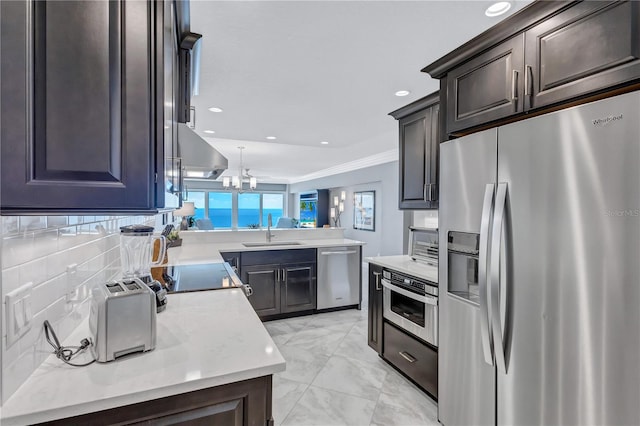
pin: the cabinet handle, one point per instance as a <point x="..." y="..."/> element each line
<point x="424" y="192"/>
<point x="377" y="275"/>
<point x="528" y="80"/>
<point x="514" y="87"/>
<point x="278" y="274"/>
<point x="407" y="356"/>
<point x="284" y="275"/>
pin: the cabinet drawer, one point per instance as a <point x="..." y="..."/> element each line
<point x="415" y="359"/>
<point x="266" y="257"/>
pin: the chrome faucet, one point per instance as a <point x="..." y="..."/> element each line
<point x="269" y="225"/>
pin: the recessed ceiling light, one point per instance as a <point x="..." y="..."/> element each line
<point x="209" y="131"/>
<point x="402" y="92"/>
<point x="498" y="8"/>
<point x="324" y="143"/>
<point x="271" y="138"/>
<point x="215" y="109"/>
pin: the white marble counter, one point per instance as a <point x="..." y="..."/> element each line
<point x="188" y="254"/>
<point x="408" y="266"/>
<point x="204" y="339"/>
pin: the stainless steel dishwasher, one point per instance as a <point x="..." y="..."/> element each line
<point x="339" y="276"/>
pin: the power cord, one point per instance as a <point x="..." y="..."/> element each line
<point x="65" y="353"/>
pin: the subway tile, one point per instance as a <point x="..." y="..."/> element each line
<point x="45" y="243"/>
<point x="34" y="271"/>
<point x="15" y="374"/>
<point x="57" y="221"/>
<point x="9" y="225"/>
<point x="10" y="281"/>
<point x="31" y="223"/>
<point x="9" y="353"/>
<point x="49" y="292"/>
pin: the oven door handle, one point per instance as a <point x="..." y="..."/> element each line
<point x="429" y="300"/>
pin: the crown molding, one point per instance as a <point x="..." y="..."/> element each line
<point x="372" y="160"/>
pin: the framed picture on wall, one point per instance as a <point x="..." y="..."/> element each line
<point x="364" y="209"/>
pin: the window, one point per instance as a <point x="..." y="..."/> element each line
<point x="221" y="209"/>
<point x="274" y="204"/>
<point x="233" y="210"/>
<point x="198" y="200"/>
<point x="248" y="210"/>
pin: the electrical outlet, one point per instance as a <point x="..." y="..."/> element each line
<point x="19" y="312"/>
<point x="72" y="279"/>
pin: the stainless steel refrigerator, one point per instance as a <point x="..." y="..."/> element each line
<point x="540" y="270"/>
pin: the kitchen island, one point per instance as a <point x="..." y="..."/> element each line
<point x="205" y="341"/>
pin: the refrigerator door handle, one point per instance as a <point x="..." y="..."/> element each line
<point x="495" y="282"/>
<point x="485" y="319"/>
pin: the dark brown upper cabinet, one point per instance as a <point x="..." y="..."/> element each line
<point x="546" y="56"/>
<point x="488" y="87"/>
<point x="419" y="148"/>
<point x="587" y="48"/>
<point x="81" y="106"/>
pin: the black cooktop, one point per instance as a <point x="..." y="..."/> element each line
<point x="207" y="276"/>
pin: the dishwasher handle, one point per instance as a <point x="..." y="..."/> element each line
<point x="327" y="253"/>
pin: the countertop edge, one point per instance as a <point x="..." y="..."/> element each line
<point x="142" y="396"/>
<point x="398" y="263"/>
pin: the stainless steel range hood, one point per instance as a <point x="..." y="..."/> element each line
<point x="199" y="159"/>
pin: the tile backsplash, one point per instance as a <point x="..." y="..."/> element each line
<point x="62" y="257"/>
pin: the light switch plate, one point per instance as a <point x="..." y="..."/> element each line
<point x="19" y="312"/>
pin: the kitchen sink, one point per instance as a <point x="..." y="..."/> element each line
<point x="272" y="243"/>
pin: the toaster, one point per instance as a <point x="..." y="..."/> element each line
<point x="122" y="319"/>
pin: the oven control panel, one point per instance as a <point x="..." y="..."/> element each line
<point x="409" y="282"/>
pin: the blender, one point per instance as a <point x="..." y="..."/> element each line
<point x="136" y="248"/>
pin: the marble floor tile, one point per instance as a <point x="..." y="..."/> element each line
<point x="402" y="403"/>
<point x="285" y="395"/>
<point x="336" y="323"/>
<point x="332" y="377"/>
<point x="392" y="411"/>
<point x="286" y="326"/>
<point x="355" y="345"/>
<point x="302" y="365"/>
<point x="351" y="376"/>
<point x="281" y="339"/>
<point x="324" y="407"/>
<point x="317" y="340"/>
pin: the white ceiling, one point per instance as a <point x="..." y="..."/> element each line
<point x="312" y="71"/>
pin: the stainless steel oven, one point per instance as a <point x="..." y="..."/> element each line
<point x="411" y="304"/>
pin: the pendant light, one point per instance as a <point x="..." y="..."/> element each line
<point x="242" y="177"/>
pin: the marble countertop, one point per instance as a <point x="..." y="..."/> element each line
<point x="408" y="266"/>
<point x="210" y="252"/>
<point x="204" y="339"/>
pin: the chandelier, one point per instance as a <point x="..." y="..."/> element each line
<point x="243" y="177"/>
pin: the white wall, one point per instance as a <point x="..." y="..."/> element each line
<point x="38" y="249"/>
<point x="387" y="239"/>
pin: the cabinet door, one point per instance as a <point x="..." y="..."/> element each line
<point x="78" y="106"/>
<point x="298" y="290"/>
<point x="487" y="87"/>
<point x="264" y="280"/>
<point x="434" y="158"/>
<point x="374" y="331"/>
<point x="589" y="47"/>
<point x="415" y="160"/>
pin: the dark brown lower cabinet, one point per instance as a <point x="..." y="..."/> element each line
<point x="374" y="329"/>
<point x="236" y="404"/>
<point x="265" y="282"/>
<point x="299" y="287"/>
<point x="417" y="360"/>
